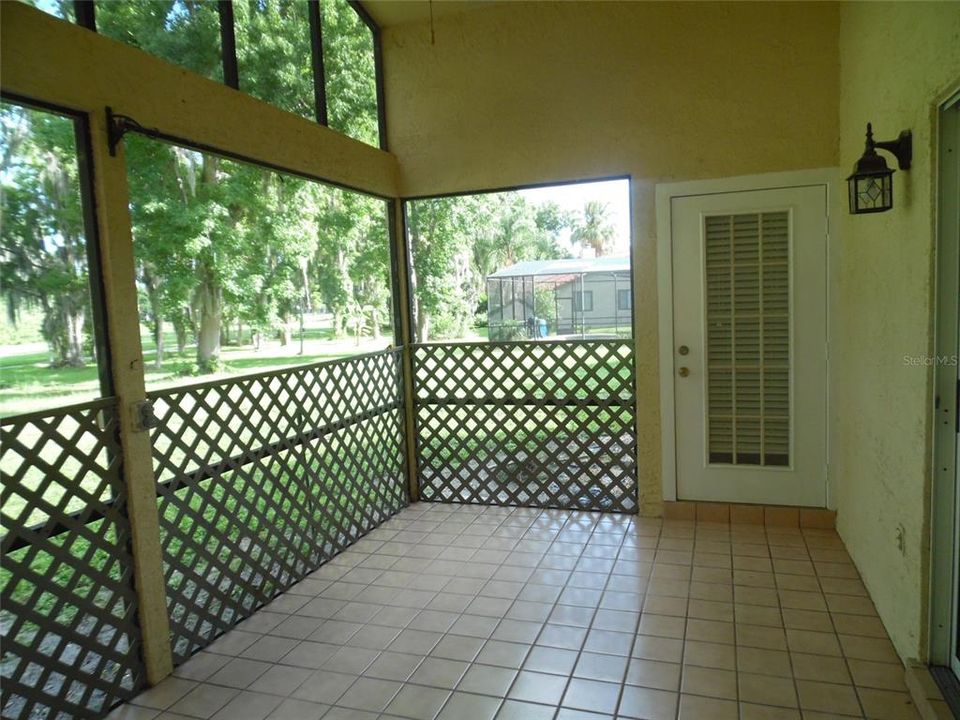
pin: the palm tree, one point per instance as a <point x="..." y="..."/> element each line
<point x="595" y="229"/>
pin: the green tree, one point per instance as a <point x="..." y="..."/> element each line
<point x="44" y="256"/>
<point x="273" y="53"/>
<point x="185" y="32"/>
<point x="594" y="230"/>
<point x="457" y="242"/>
<point x="348" y="59"/>
<point x="217" y="243"/>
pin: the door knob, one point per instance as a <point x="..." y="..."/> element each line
<point x="683" y="350"/>
<point x="684" y="371"/>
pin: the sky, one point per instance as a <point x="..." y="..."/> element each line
<point x="616" y="193"/>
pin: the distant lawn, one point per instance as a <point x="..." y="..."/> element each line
<point x="28" y="383"/>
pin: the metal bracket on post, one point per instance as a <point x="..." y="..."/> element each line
<point x="145" y="418"/>
<point x="115" y="130"/>
<point x="118" y="126"/>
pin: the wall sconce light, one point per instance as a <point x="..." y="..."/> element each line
<point x="871" y="184"/>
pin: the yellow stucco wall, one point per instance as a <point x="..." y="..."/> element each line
<point x="897" y="61"/>
<point x="538" y="92"/>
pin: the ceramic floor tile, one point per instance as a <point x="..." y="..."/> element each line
<point x="648" y="704"/>
<point x="608" y="641"/>
<point x="416" y="642"/>
<point x="373" y="637"/>
<point x="767" y="690"/>
<point x="165" y="693"/>
<point x="813" y="643"/>
<point x="291" y="709"/>
<point x="829" y="698"/>
<point x="662" y="625"/>
<point x="655" y="648"/>
<point x="418" y="703"/>
<point x="710" y="631"/>
<point x="880" y="676"/>
<point x="133" y="712"/>
<point x="653" y="674"/>
<point x="550" y="660"/>
<point x="487" y="680"/>
<point x="711" y="655"/>
<point x="750" y="711"/>
<point x="597" y="666"/>
<point x="820" y="668"/>
<point x="887" y="705"/>
<point x="561" y="636"/>
<point x="594" y="695"/>
<point x="503" y="654"/>
<point x="370" y="694"/>
<point x="324" y="687"/>
<point x="202" y="665"/>
<point x="393" y="666"/>
<point x="709" y="682"/>
<point x="310" y="655"/>
<point x="867" y="648"/>
<point x="463" y="705"/>
<point x="439" y="673"/>
<point x="280" y="680"/>
<point x="518" y="710"/>
<point x="695" y="707"/>
<point x="203" y="701"/>
<point x="538" y="687"/>
<point x="351" y="660"/>
<point x="476" y="613"/>
<point x="763" y="662"/>
<point x="248" y="706"/>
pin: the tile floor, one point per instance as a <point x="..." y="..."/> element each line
<point x="461" y="612"/>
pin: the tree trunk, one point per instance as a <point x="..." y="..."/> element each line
<point x="210" y="311"/>
<point x="301" y="327"/>
<point x="153" y="297"/>
<point x="305" y="279"/>
<point x="158" y="341"/>
<point x="73" y="327"/>
<point x="423" y="323"/>
<point x="375" y="323"/>
<point x="180" y="328"/>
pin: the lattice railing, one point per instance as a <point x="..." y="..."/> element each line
<point x="548" y="424"/>
<point x="262" y="478"/>
<point x="71" y="645"/>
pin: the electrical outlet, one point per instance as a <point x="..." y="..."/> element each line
<point x="901" y="539"/>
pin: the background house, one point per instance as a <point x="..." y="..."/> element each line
<point x="568" y="297"/>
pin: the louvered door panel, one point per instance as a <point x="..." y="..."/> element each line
<point x="748" y="338"/>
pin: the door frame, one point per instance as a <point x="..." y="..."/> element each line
<point x="943" y="530"/>
<point x="828" y="178"/>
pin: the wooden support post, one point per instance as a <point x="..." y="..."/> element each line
<point x="401" y="271"/>
<point x="120" y="296"/>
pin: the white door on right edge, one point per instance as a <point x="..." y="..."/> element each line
<point x="750" y="368"/>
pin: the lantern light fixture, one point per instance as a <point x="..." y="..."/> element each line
<point x="871" y="183"/>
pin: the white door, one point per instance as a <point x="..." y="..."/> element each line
<point x="750" y="367"/>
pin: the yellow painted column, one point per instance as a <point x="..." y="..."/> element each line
<point x="406" y="342"/>
<point x="123" y="324"/>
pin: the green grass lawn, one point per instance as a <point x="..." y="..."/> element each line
<point x="28" y="383"/>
